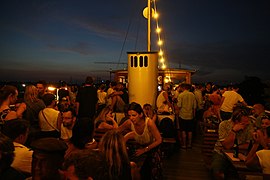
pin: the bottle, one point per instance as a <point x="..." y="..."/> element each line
<point x="250" y="145"/>
<point x="235" y="148"/>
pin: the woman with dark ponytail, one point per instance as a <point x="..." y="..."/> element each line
<point x="8" y="96"/>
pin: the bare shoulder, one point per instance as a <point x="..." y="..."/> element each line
<point x="126" y="124"/>
<point x="151" y="123"/>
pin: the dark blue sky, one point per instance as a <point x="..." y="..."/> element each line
<point x="62" y="39"/>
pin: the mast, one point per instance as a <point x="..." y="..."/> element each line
<point x="149" y="27"/>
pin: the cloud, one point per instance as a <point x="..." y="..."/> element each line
<point x="244" y="57"/>
<point x="82" y="48"/>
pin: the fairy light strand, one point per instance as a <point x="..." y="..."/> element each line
<point x="160" y="42"/>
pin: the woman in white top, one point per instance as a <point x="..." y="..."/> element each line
<point x="163" y="103"/>
<point x="144" y="131"/>
<point x="260" y="159"/>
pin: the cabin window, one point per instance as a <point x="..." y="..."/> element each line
<point x="145" y="61"/>
<point x="135" y="61"/>
<point x="131" y="61"/>
<point x="141" y="61"/>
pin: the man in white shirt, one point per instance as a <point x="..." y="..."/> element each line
<point x="102" y="98"/>
<point x="17" y="130"/>
<point x="187" y="107"/>
<point x="228" y="101"/>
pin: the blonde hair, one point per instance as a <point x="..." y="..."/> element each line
<point x="149" y="111"/>
<point x="103" y="113"/>
<point x="31" y="93"/>
<point x="113" y="147"/>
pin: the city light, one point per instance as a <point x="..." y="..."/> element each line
<point x="51" y="88"/>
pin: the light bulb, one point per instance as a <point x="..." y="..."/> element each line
<point x="156" y="15"/>
<point x="158" y="30"/>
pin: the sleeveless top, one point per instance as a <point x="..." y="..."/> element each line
<point x="4" y="114"/>
<point x="145" y="137"/>
<point x="160" y="99"/>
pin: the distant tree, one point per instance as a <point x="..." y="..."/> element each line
<point x="252" y="90"/>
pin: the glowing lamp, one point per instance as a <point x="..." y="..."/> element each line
<point x="51" y="88"/>
<point x="160" y="42"/>
<point x="158" y="30"/>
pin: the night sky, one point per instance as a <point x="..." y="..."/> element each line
<point x="63" y="39"/>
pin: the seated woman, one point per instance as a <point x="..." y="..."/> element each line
<point x="210" y="117"/>
<point x="215" y="97"/>
<point x="150" y="112"/>
<point x="114" y="149"/>
<point x="163" y="101"/>
<point x="82" y="136"/>
<point x="265" y="122"/>
<point x="260" y="159"/>
<point x="105" y="120"/>
<point x="146" y="134"/>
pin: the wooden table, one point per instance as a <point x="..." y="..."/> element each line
<point x="162" y="116"/>
<point x="240" y="165"/>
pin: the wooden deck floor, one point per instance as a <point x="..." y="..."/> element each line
<point x="186" y="164"/>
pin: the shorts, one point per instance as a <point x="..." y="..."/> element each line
<point x="186" y="125"/>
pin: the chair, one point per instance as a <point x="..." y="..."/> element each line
<point x="210" y="137"/>
<point x="98" y="134"/>
<point x="168" y="134"/>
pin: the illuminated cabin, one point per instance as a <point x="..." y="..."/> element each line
<point x="164" y="75"/>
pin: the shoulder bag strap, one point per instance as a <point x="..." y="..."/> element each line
<point x="48" y="121"/>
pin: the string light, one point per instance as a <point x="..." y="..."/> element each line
<point x="156" y="15"/>
<point x="158" y="30"/>
<point x="160" y="42"/>
<point x="160" y="53"/>
<point x="162" y="60"/>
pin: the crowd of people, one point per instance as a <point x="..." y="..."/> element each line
<point x="199" y="108"/>
<point x="129" y="148"/>
<point x="44" y="130"/>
